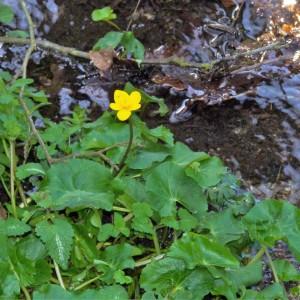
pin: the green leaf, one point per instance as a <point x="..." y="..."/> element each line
<point x="103" y="14"/>
<point x="187" y="221"/>
<point x="13" y="227"/>
<point x="6" y="14"/>
<point x="207" y="172"/>
<point x="167" y="184"/>
<point x="132" y="45"/>
<point x="273" y="220"/>
<point x="223" y="226"/>
<point x="120" y="224"/>
<point x="143" y="158"/>
<point x="19" y="83"/>
<point x="163" y="133"/>
<point x="114" y="258"/>
<point x="17" y="34"/>
<point x="273" y="292"/>
<point x="247" y="275"/>
<point x="120" y="277"/>
<point x="58" y="238"/>
<point x="77" y="184"/>
<point x="286" y="271"/>
<point x="29" y="169"/>
<point x="170" y="278"/>
<point x="111" y="40"/>
<point x="55" y="292"/>
<point x="9" y="285"/>
<point x="197" y="250"/>
<point x="182" y="155"/>
<point x="141" y="221"/>
<point x="163" y="109"/>
<point x="106" y="231"/>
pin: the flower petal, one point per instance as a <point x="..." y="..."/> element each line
<point x="135" y="106"/>
<point x="135" y="97"/>
<point x="121" y="97"/>
<point x="123" y="114"/>
<point x="115" y="106"/>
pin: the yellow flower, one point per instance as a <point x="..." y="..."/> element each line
<point x="125" y="103"/>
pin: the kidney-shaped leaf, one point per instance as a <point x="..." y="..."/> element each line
<point x="51" y="292"/>
<point x="78" y="183"/>
<point x="197" y="250"/>
<point x="167" y="184"/>
<point x="169" y="276"/>
<point x="273" y="220"/>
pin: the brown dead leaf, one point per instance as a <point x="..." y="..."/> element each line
<point x="102" y="59"/>
<point x="168" y="81"/>
<point x="227" y="3"/>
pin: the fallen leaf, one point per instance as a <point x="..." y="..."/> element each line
<point x="102" y="59"/>
<point x="168" y="81"/>
<point x="227" y="3"/>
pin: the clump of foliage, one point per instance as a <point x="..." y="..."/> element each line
<point x="113" y="39"/>
<point x="170" y="224"/>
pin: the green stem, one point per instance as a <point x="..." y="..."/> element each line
<point x="147" y="261"/>
<point x="12" y="178"/>
<point x="59" y="277"/>
<point x="26" y="293"/>
<point x="5" y="186"/>
<point x="272" y="266"/>
<point x="84" y="284"/>
<point x="121" y="209"/>
<point x="156" y="242"/>
<point x="258" y="255"/>
<point x="122" y="163"/>
<point x="113" y="24"/>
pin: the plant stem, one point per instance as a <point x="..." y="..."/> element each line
<point x="26" y="293"/>
<point x="29" y="51"/>
<point x="122" y="163"/>
<point x="58" y="274"/>
<point x="147" y="261"/>
<point x="272" y="266"/>
<point x="121" y="209"/>
<point x="5" y="187"/>
<point x="12" y="177"/>
<point x="113" y="24"/>
<point x="84" y="284"/>
<point x="156" y="242"/>
<point x="258" y="255"/>
<point x="21" y="193"/>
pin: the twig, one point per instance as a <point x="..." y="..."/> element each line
<point x="99" y="153"/>
<point x="132" y="15"/>
<point x="47" y="45"/>
<point x="173" y="60"/>
<point x="265" y="62"/>
<point x="24" y="75"/>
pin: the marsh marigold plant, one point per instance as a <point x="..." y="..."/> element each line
<point x="125" y="103"/>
